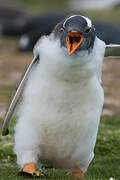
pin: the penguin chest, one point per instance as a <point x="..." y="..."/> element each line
<point x="68" y="124"/>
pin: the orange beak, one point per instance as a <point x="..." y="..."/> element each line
<point x="74" y="39"/>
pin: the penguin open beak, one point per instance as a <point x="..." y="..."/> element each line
<point x="73" y="40"/>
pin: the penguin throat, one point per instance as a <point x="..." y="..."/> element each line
<point x="73" y="40"/>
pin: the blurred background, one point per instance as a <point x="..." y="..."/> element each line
<point x="22" y="22"/>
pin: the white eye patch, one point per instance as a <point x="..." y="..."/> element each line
<point x="89" y="23"/>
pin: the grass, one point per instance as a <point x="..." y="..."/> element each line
<point x="5" y="92"/>
<point x="106" y="163"/>
<point x="40" y="6"/>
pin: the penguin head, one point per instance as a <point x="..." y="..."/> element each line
<point x="76" y="33"/>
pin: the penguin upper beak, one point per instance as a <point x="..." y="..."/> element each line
<point x="73" y="40"/>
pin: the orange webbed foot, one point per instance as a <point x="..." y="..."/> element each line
<point x="30" y="170"/>
<point x="77" y="174"/>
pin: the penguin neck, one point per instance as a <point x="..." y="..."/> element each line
<point x="57" y="64"/>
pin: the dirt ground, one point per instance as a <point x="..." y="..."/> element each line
<point x="13" y="63"/>
<point x="111" y="84"/>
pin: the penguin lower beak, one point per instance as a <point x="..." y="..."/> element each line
<point x="73" y="40"/>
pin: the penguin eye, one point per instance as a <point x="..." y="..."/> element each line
<point x="62" y="29"/>
<point x="87" y="30"/>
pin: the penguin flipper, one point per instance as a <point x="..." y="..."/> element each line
<point x="16" y="97"/>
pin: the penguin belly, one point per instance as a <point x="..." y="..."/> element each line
<point x="66" y="122"/>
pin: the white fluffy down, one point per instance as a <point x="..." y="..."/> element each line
<point x="62" y="102"/>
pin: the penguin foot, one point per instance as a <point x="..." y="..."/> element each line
<point x="30" y="170"/>
<point x="77" y="174"/>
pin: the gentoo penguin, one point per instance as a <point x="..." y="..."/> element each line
<point x="59" y="115"/>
